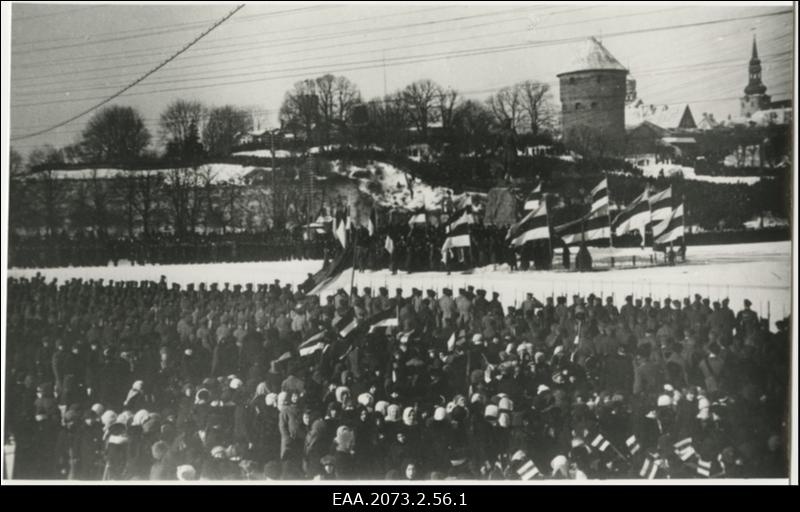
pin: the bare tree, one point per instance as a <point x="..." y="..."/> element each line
<point x="537" y="104"/>
<point x="471" y="127"/>
<point x="16" y="164"/>
<point x="114" y="134"/>
<point x="337" y="96"/>
<point x="447" y="101"/>
<point x="223" y="128"/>
<point x="388" y="120"/>
<point x="180" y="124"/>
<point x="507" y="107"/>
<point x="300" y="111"/>
<point x="420" y="99"/>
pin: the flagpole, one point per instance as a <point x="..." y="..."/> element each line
<point x="608" y="214"/>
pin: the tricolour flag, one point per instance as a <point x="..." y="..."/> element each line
<point x="670" y="229"/>
<point x="382" y="320"/>
<point x="600" y="195"/>
<point x="528" y="470"/>
<point x="346" y="324"/>
<point x="684" y="449"/>
<point x="601" y="443"/>
<point x="418" y="218"/>
<point x="633" y="444"/>
<point x="534" y="226"/>
<point x="534" y="198"/>
<point x="458" y="233"/>
<point x="661" y="205"/>
<point x="592" y="226"/>
<point x="635" y="217"/>
<point x="703" y="468"/>
<point x="327" y="277"/>
<point x="313" y="344"/>
<point x="649" y="468"/>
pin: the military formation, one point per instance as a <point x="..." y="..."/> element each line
<point x="152" y="381"/>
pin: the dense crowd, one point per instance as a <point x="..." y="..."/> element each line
<point x="83" y="249"/>
<point x="142" y="380"/>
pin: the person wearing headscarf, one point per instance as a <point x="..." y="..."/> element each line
<point x="343" y="454"/>
<point x="290" y="423"/>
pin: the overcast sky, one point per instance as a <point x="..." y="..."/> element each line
<point x="65" y="58"/>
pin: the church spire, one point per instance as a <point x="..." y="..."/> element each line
<point x="755" y="49"/>
<point x="754" y="85"/>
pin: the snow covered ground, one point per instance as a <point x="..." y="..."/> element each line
<point x="652" y="170"/>
<point x="216" y="171"/>
<point x="265" y="153"/>
<point x="760" y="272"/>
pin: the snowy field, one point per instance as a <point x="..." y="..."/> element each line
<point x="652" y="170"/>
<point x="760" y="272"/>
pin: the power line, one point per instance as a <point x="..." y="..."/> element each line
<point x="359" y="65"/>
<point x="137" y="81"/>
<point x="166" y="30"/>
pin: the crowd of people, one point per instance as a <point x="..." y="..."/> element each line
<point x="83" y="249"/>
<point x="143" y="380"/>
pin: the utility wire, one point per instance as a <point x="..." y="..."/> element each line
<point x="137" y="81"/>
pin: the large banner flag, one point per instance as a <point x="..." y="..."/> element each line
<point x="635" y="217"/>
<point x="346" y="324"/>
<point x="534" y="198"/>
<point x="417" y="218"/>
<point x="313" y="344"/>
<point x="458" y="232"/>
<point x="661" y="205"/>
<point x="592" y="226"/>
<point x="533" y="226"/>
<point x="600" y="195"/>
<point x="382" y="320"/>
<point x="326" y="277"/>
<point x="670" y="229"/>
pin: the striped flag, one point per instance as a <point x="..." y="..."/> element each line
<point x="341" y="233"/>
<point x="661" y="205"/>
<point x="371" y="223"/>
<point x="312" y="344"/>
<point x="600" y="195"/>
<point x="534" y="198"/>
<point x="633" y="444"/>
<point x="703" y="468"/>
<point x="533" y="226"/>
<point x="346" y="324"/>
<point x="600" y="442"/>
<point x="592" y="226"/>
<point x="382" y="320"/>
<point x="528" y="470"/>
<point x="635" y="217"/>
<point x="458" y="233"/>
<point x="684" y="449"/>
<point x="670" y="229"/>
<point x="650" y="468"/>
<point x="418" y="218"/>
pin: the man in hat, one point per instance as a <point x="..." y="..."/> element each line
<point x="382" y="301"/>
<point x="746" y="320"/>
<point x="368" y="301"/>
<point x="464" y="307"/>
<point x="447" y="306"/>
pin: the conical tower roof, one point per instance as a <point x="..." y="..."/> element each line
<point x="591" y="56"/>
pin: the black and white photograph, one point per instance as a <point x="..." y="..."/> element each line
<point x="439" y="243"/>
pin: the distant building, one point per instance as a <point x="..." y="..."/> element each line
<point x="755" y="97"/>
<point x="660" y="129"/>
<point x="668" y="117"/>
<point x="593" y="91"/>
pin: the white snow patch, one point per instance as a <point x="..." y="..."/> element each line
<point x="265" y="153"/>
<point x="653" y="170"/>
<point x="216" y="171"/>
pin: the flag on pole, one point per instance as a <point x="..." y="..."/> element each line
<point x="592" y="226"/>
<point x="633" y="444"/>
<point x="601" y="443"/>
<point x="418" y="218"/>
<point x="458" y="233"/>
<point x="326" y="277"/>
<point x="635" y="217"/>
<point x="382" y="320"/>
<point x="650" y="468"/>
<point x="703" y="468"/>
<point x="600" y="195"/>
<point x="313" y="344"/>
<point x="684" y="449"/>
<point x="661" y="205"/>
<point x="528" y="470"/>
<point x="346" y="324"/>
<point x="534" y="226"/>
<point x="389" y="245"/>
<point x="341" y="232"/>
<point x="669" y="229"/>
<point x="534" y="198"/>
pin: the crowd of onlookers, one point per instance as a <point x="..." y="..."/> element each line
<point x="143" y="380"/>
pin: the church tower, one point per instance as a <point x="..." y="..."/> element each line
<point x="755" y="97"/>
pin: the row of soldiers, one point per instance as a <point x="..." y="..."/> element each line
<point x="91" y="249"/>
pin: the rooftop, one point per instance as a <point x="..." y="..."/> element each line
<point x="592" y="56"/>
